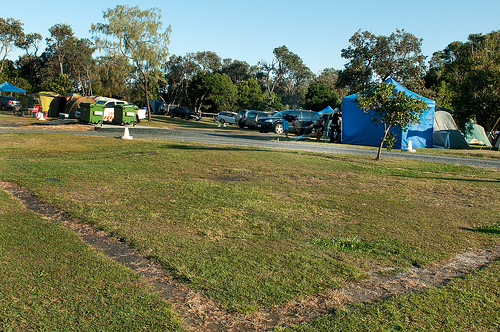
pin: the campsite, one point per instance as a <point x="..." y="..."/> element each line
<point x="363" y="195"/>
<point x="273" y="244"/>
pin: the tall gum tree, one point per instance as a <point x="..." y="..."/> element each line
<point x="137" y="35"/>
<point x="11" y="32"/>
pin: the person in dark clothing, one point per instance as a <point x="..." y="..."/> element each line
<point x="335" y="127"/>
<point x="318" y="130"/>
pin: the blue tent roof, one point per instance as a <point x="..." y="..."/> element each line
<point x="7" y="87"/>
<point x="326" y="110"/>
<point x="359" y="129"/>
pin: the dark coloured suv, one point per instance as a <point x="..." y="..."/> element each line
<point x="183" y="113"/>
<point x="9" y="103"/>
<point x="274" y="123"/>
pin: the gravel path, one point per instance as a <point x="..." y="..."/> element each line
<point x="251" y="139"/>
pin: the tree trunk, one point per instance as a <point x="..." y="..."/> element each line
<point x="89" y="90"/>
<point x="144" y="76"/>
<point x="386" y="131"/>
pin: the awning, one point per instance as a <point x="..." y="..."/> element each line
<point x="7" y="87"/>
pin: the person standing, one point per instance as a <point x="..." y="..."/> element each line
<point x="286" y="126"/>
<point x="335" y="127"/>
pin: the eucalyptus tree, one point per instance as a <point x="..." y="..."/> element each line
<point x="11" y="32"/>
<point x="179" y="70"/>
<point x="67" y="57"/>
<point x="286" y="75"/>
<point x="466" y="75"/>
<point x="60" y="43"/>
<point x="374" y="58"/>
<point x="329" y="77"/>
<point x="29" y="64"/>
<point x="113" y="75"/>
<point x="238" y="71"/>
<point x="138" y="36"/>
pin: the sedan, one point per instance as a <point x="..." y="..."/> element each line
<point x="9" y="103"/>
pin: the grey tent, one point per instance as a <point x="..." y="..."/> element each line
<point x="446" y="134"/>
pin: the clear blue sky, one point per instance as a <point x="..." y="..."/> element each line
<point x="249" y="30"/>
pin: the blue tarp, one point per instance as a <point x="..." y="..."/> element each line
<point x="359" y="129"/>
<point x="7" y="87"/>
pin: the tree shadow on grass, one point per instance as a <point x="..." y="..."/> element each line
<point x="494" y="229"/>
<point x="430" y="176"/>
<point x="213" y="148"/>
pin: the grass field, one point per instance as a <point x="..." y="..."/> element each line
<point x="469" y="304"/>
<point x="51" y="281"/>
<point x="254" y="227"/>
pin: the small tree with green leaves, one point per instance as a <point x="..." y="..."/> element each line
<point x="138" y="36"/>
<point x="391" y="108"/>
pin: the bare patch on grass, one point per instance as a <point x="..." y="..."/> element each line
<point x="203" y="314"/>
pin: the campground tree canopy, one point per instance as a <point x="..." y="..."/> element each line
<point x="374" y="58"/>
<point x="467" y="78"/>
<point x="138" y="36"/>
<point x="11" y="32"/>
<point x="391" y="108"/>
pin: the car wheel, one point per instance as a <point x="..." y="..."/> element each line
<point x="222" y="121"/>
<point x="278" y="128"/>
<point x="4" y="108"/>
<point x="171" y="115"/>
<point x="242" y="125"/>
<point x="186" y="117"/>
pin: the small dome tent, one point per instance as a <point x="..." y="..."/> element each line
<point x="446" y="133"/>
<point x="474" y="134"/>
<point x="359" y="129"/>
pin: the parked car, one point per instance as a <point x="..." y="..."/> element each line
<point x="9" y="103"/>
<point x="226" y="117"/>
<point x="274" y="123"/>
<point x="246" y="118"/>
<point x="183" y="113"/>
<point x="260" y="116"/>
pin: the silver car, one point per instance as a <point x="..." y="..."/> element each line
<point x="9" y="103"/>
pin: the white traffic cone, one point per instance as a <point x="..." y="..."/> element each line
<point x="409" y="147"/>
<point x="126" y="135"/>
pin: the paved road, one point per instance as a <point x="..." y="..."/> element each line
<point x="255" y="139"/>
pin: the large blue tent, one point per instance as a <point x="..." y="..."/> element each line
<point x="359" y="129"/>
<point x="7" y="87"/>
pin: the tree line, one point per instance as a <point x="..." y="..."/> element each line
<point x="134" y="62"/>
